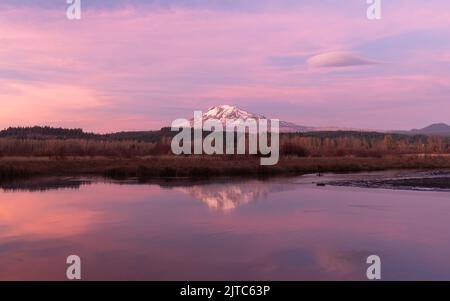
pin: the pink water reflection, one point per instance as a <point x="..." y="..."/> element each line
<point x="238" y="230"/>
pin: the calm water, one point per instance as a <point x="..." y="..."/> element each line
<point x="283" y="229"/>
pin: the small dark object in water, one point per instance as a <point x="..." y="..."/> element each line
<point x="321" y="184"/>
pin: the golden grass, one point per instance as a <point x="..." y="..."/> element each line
<point x="207" y="166"/>
<point x="299" y="154"/>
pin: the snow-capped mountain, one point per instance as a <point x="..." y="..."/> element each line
<point x="228" y="112"/>
<point x="225" y="112"/>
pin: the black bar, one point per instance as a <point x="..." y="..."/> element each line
<point x="281" y="290"/>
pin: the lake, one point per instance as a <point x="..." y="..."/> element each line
<point x="225" y="229"/>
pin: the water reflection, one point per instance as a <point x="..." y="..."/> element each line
<point x="44" y="183"/>
<point x="228" y="196"/>
<point x="284" y="229"/>
<point x="222" y="195"/>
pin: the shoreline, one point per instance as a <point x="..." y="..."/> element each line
<point x="206" y="166"/>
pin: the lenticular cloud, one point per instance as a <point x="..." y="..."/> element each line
<point x="338" y="59"/>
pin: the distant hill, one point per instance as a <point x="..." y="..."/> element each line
<point x="46" y="132"/>
<point x="436" y="129"/>
<point x="43" y="132"/>
<point x="145" y="136"/>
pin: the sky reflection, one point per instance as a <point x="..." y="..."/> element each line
<point x="223" y="231"/>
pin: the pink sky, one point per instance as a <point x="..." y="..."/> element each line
<point x="138" y="67"/>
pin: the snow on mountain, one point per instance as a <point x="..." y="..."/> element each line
<point x="235" y="114"/>
<point x="225" y="112"/>
<point x="229" y="112"/>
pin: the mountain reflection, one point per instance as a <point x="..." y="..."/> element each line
<point x="226" y="197"/>
<point x="222" y="196"/>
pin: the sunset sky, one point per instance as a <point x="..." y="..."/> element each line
<point x="138" y="65"/>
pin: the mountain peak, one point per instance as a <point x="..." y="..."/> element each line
<point x="223" y="112"/>
<point x="229" y="112"/>
<point x="226" y="112"/>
